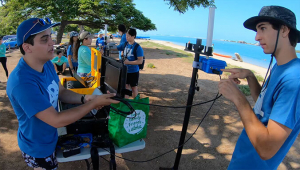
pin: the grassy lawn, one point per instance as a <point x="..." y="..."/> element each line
<point x="169" y="50"/>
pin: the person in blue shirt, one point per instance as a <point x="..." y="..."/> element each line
<point x="73" y="64"/>
<point x="33" y="89"/>
<point x="100" y="40"/>
<point x="83" y="53"/>
<point x="131" y="61"/>
<point x="3" y="58"/>
<point x="60" y="63"/>
<point x="272" y="126"/>
<point x="122" y="32"/>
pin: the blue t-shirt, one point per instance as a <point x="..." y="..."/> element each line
<point x="279" y="102"/>
<point x="70" y="52"/>
<point x="84" y="59"/>
<point x="128" y="52"/>
<point x="122" y="41"/>
<point x="2" y="50"/>
<point x="98" y="41"/>
<point x="31" y="92"/>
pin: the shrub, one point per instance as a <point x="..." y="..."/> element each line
<point x="245" y="89"/>
<point x="150" y="65"/>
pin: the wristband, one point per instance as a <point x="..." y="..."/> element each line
<point x="82" y="99"/>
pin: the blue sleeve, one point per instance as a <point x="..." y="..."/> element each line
<point x="121" y="46"/>
<point x="69" y="51"/>
<point x="97" y="42"/>
<point x="287" y="102"/>
<point x="139" y="52"/>
<point x="123" y="39"/>
<point x="86" y="56"/>
<point x="30" y="98"/>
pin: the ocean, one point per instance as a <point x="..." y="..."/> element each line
<point x="250" y="53"/>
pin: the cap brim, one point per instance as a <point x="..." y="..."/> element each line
<point x="47" y="27"/>
<point x="252" y="22"/>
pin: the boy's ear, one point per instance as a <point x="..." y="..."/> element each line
<point x="285" y="31"/>
<point x="26" y="47"/>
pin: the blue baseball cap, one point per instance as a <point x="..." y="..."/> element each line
<point x="32" y="26"/>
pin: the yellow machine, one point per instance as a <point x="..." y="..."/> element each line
<point x="93" y="81"/>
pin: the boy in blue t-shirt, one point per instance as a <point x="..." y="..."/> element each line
<point x="272" y="126"/>
<point x="60" y="63"/>
<point x="131" y="61"/>
<point x="33" y="89"/>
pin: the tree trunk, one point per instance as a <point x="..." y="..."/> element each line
<point x="81" y="28"/>
<point x="60" y="32"/>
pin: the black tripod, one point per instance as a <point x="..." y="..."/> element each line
<point x="196" y="65"/>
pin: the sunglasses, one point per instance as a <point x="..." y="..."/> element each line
<point x="39" y="21"/>
<point x="88" y="35"/>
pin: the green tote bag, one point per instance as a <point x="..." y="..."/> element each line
<point x="125" y="129"/>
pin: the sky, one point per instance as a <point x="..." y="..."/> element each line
<point x="228" y="23"/>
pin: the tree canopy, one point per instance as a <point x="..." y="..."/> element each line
<point x="89" y="13"/>
<point x="183" y="5"/>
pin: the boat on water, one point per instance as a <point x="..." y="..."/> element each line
<point x="221" y="55"/>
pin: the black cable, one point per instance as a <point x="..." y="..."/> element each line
<point x="174" y="148"/>
<point x="177" y="107"/>
<point x="104" y="158"/>
<point x="272" y="56"/>
<point x="123" y="113"/>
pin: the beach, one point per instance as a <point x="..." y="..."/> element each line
<point x="167" y="84"/>
<point x="259" y="70"/>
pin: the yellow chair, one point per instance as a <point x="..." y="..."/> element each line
<point x="96" y="60"/>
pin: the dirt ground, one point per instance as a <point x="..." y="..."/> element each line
<point x="167" y="84"/>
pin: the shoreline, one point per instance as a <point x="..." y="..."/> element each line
<point x="259" y="70"/>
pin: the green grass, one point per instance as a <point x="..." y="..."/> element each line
<point x="297" y="51"/>
<point x="151" y="65"/>
<point x="169" y="50"/>
<point x="245" y="89"/>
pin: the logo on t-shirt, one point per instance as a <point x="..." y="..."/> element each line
<point x="53" y="93"/>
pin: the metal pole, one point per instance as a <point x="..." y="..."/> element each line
<point x="188" y="109"/>
<point x="210" y="27"/>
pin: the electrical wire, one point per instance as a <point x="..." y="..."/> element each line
<point x="176" y="147"/>
<point x="214" y="100"/>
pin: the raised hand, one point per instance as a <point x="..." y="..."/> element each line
<point x="238" y="73"/>
<point x="229" y="89"/>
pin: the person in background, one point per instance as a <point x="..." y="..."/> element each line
<point x="3" y="58"/>
<point x="122" y="32"/>
<point x="34" y="90"/>
<point x="131" y="61"/>
<point x="73" y="64"/>
<point x="83" y="53"/>
<point x="100" y="40"/>
<point x="272" y="126"/>
<point x="60" y="63"/>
